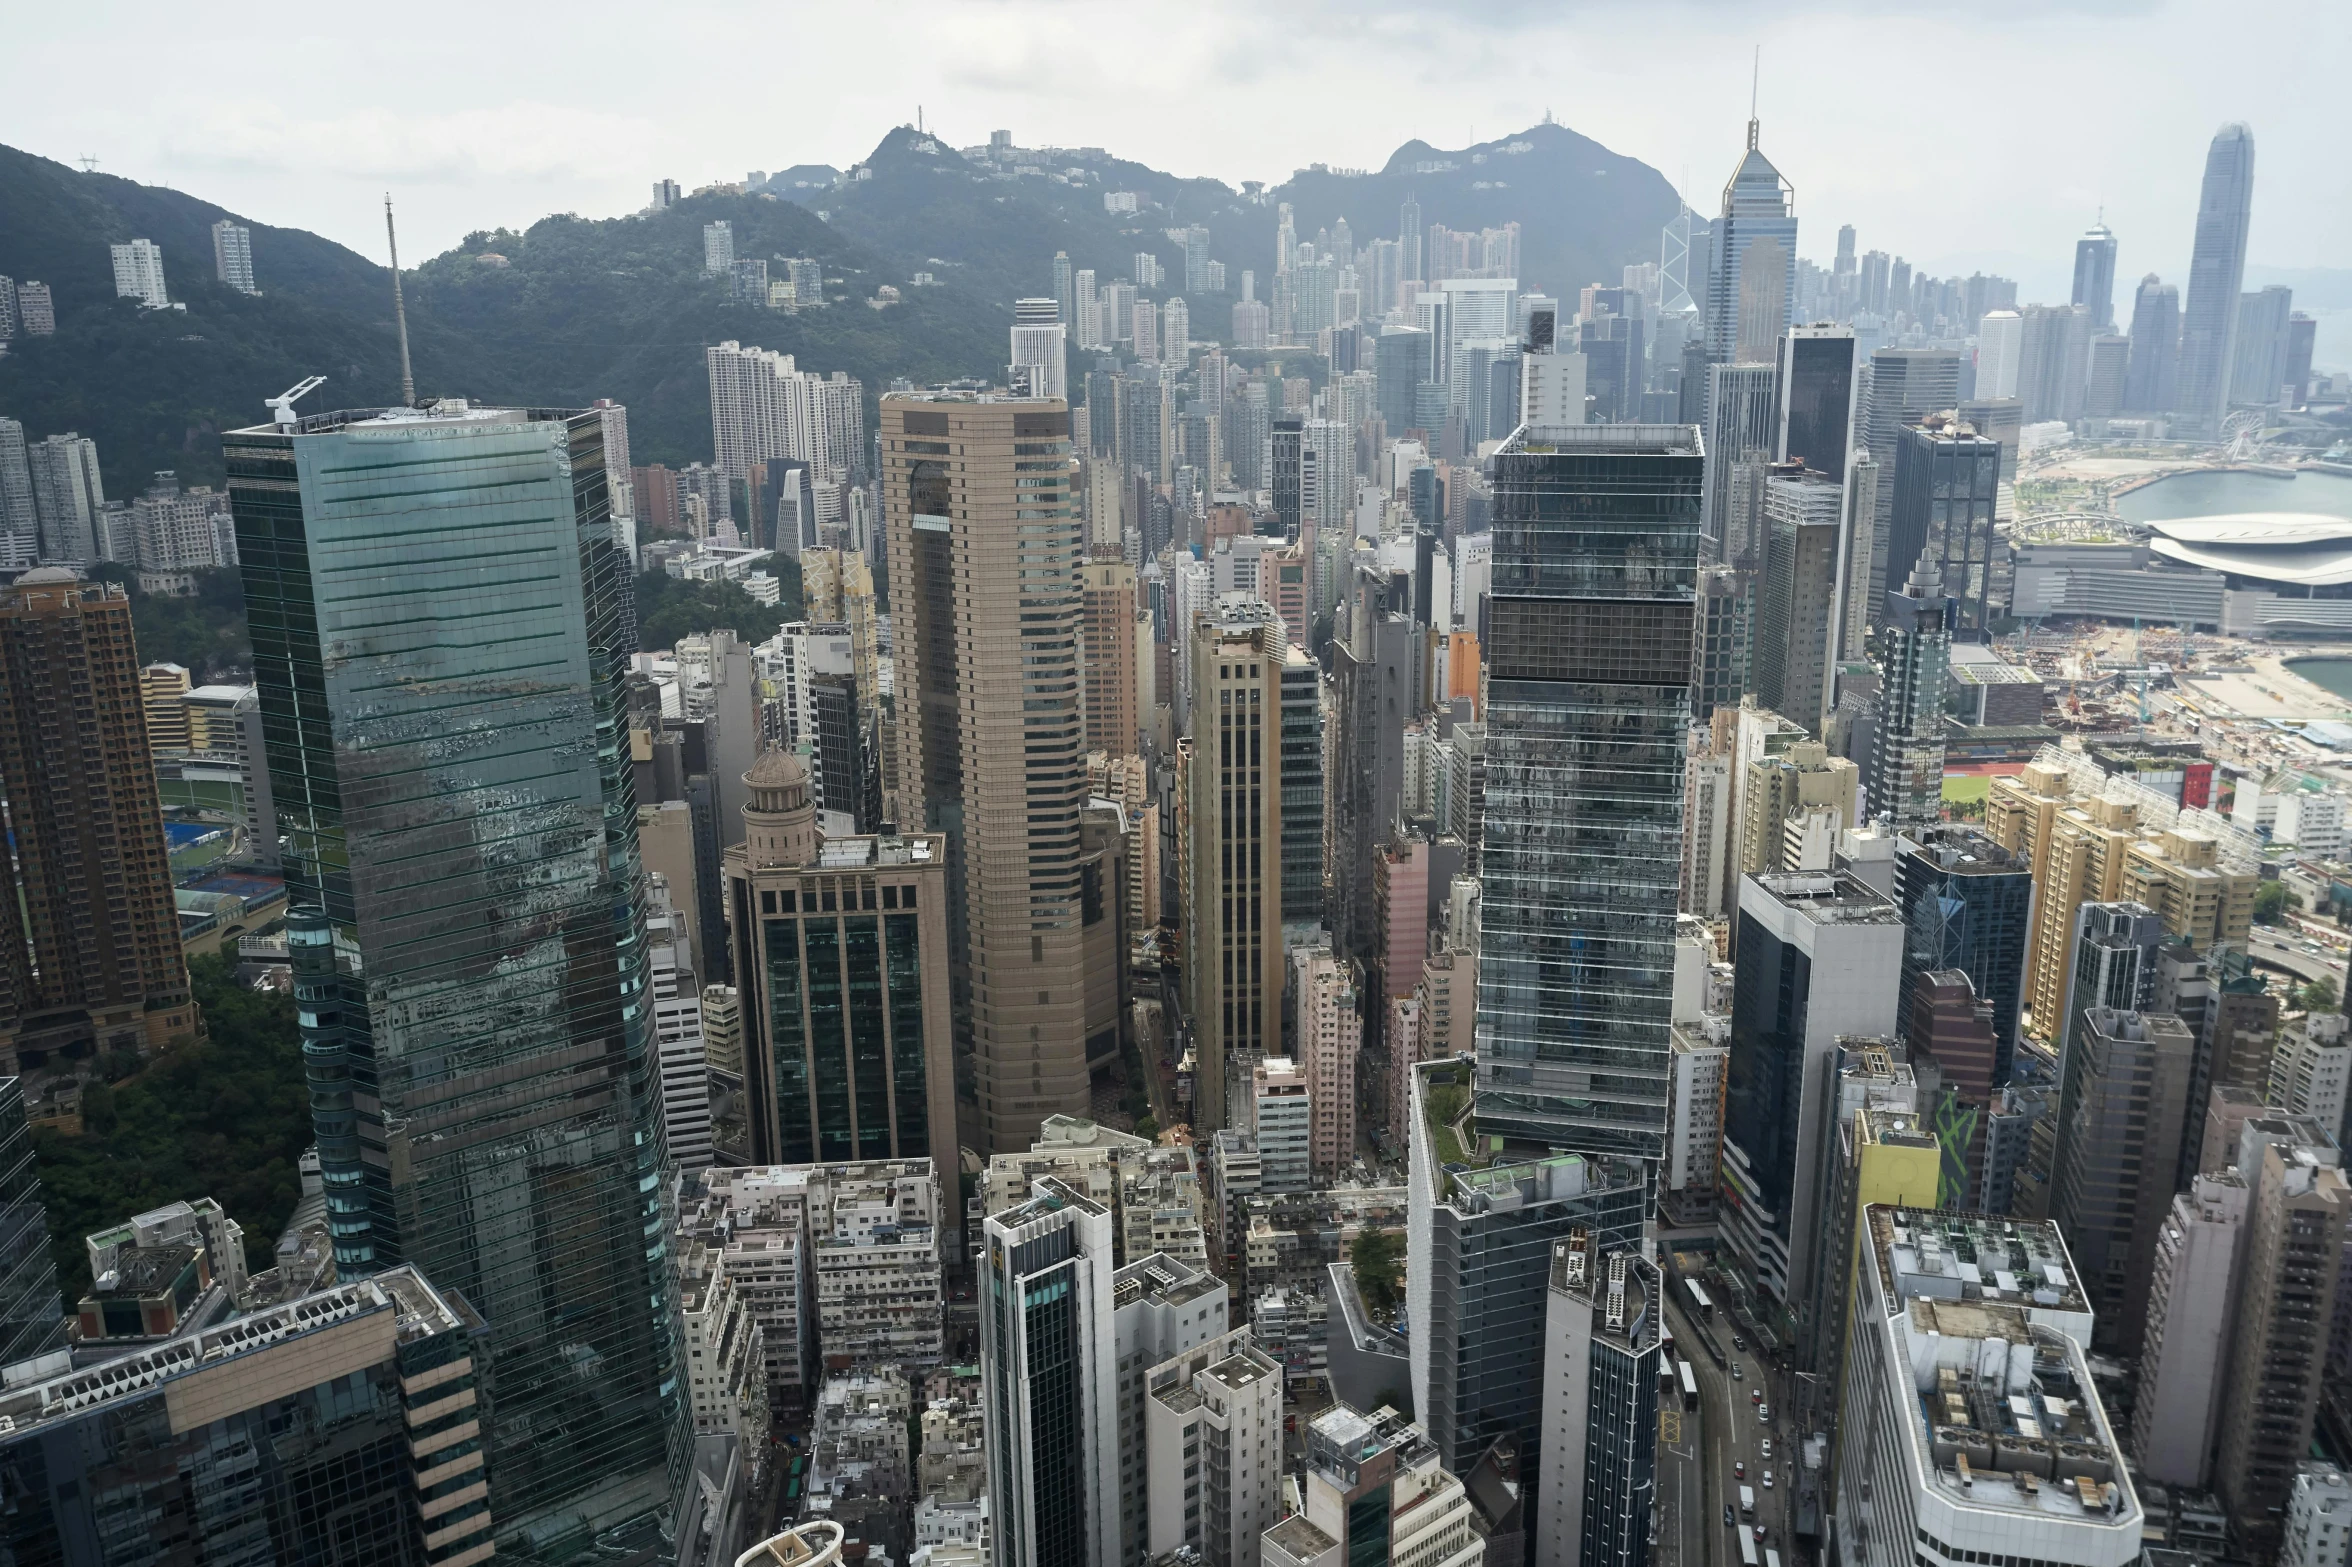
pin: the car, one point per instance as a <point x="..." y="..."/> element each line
<point x="1764" y="1448"/>
<point x="1755" y="1395"/>
<point x="1737" y="1374"/>
<point x="1767" y="1479"/>
<point x="1759" y="1531"/>
<point x="1729" y="1522"/>
<point x="1763" y="1414"/>
<point x="1739" y="1469"/>
<point x="1738" y="1342"/>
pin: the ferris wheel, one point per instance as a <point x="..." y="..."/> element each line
<point x="2241" y="434"/>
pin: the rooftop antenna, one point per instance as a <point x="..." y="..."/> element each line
<point x="1755" y="82"/>
<point x="399" y="308"/>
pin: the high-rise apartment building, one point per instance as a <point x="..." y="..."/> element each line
<point x="1117" y="643"/>
<point x="2123" y="1093"/>
<point x="138" y="274"/>
<point x="763" y="408"/>
<point x="232" y="255"/>
<point x="69" y="499"/>
<point x="1602" y="1314"/>
<point x="2185" y="1345"/>
<point x="1819" y="956"/>
<point x="462" y="875"/>
<point x="36" y="309"/>
<point x="984" y="546"/>
<point x="718" y="247"/>
<point x="841" y="960"/>
<point x="20" y="526"/>
<point x="2278" y="1345"/>
<point x="2217" y="272"/>
<point x="1212" y="1444"/>
<point x="1595" y="560"/>
<point x="89" y="937"/>
<point x="1164" y="1308"/>
<point x="1233" y="871"/>
<point x="1378" y="1493"/>
<point x="1797" y="642"/>
<point x="1905" y="778"/>
<point x="1918" y="1466"/>
<point x="1049" y="1380"/>
<point x="1282" y="1120"/>
<point x="2319" y="1517"/>
<point x="1329" y="1035"/>
<point x="1039" y="354"/>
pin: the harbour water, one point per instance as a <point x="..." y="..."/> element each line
<point x="2332" y="675"/>
<point x="2213" y="493"/>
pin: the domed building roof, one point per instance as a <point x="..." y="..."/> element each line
<point x="777" y="770"/>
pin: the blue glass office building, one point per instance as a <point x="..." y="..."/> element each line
<point x="1596" y="559"/>
<point x="436" y="608"/>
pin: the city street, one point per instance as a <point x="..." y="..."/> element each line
<point x="1724" y="1432"/>
<point x="2283" y="949"/>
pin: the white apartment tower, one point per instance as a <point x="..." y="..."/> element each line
<point x="232" y="255"/>
<point x="718" y="247"/>
<point x="1038" y="347"/>
<point x="1283" y="1111"/>
<point x="138" y="274"/>
<point x="1213" y="1446"/>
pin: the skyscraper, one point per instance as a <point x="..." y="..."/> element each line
<point x="1817" y="387"/>
<point x="1596" y="560"/>
<point x="20" y="526"/>
<point x="1748" y="307"/>
<point x="1968" y="905"/>
<point x="435" y="603"/>
<point x="2053" y="353"/>
<point x="2258" y="367"/>
<point x="1038" y="352"/>
<point x="1742" y="431"/>
<point x="1602" y="1314"/>
<point x="232" y="255"/>
<point x="1049" y="1380"/>
<point x="138" y="274"/>
<point x="1796" y="617"/>
<point x="1409" y="241"/>
<point x="1947" y="482"/>
<point x="1905" y="777"/>
<point x="1233" y="862"/>
<point x="1065" y="291"/>
<point x="991" y="734"/>
<point x="68" y="499"/>
<point x="2217" y="271"/>
<point x="1906" y="384"/>
<point x="2000" y="338"/>
<point x="89" y="940"/>
<point x="2123" y="1094"/>
<point x="2152" y="382"/>
<point x="718" y="248"/>
<point x="2094" y="278"/>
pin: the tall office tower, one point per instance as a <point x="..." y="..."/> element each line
<point x="2287" y="1284"/>
<point x="1479" y="1233"/>
<point x="89" y="941"/>
<point x="718" y="248"/>
<point x="1819" y="956"/>
<point x="1906" y="384"/>
<point x="991" y="733"/>
<point x="2015" y="1368"/>
<point x="1039" y="354"/>
<point x="1176" y="334"/>
<point x="2217" y="271"/>
<point x="1552" y="386"/>
<point x="2302" y="339"/>
<point x="1596" y="559"/>
<point x="1743" y="427"/>
<point x="1114" y="712"/>
<point x="194" y="1438"/>
<point x="1064" y="289"/>
<point x="1375" y="683"/>
<point x="1329" y="1034"/>
<point x="1968" y="905"/>
<point x="1601" y="1357"/>
<point x="2152" y="384"/>
<point x="2000" y="340"/>
<point x="2123" y="1094"/>
<point x="1400" y="360"/>
<point x="232" y="255"/>
<point x="1748" y="308"/>
<point x="462" y="872"/>
<point x="20" y="526"/>
<point x="2103" y="383"/>
<point x="2054" y="348"/>
<point x="841" y="957"/>
<point x="1211" y="1441"/>
<point x="2113" y="965"/>
<point x="1905" y="777"/>
<point x="32" y="1314"/>
<point x="2094" y="277"/>
<point x="1409" y="241"/>
<point x="1722" y="628"/>
<point x="1086" y="324"/>
<point x="138" y="274"/>
<point x="1163" y="1308"/>
<point x="1817" y="386"/>
<point x="69" y="499"/>
<point x="1302" y="792"/>
<point x="677" y="1027"/>
<point x="1283" y="479"/>
<point x="2185" y="1346"/>
<point x="1947" y="481"/>
<point x="1049" y="1379"/>
<point x="1232" y="779"/>
<point x="2258" y="367"/>
<point x="1377" y="1492"/>
<point x="1796" y="620"/>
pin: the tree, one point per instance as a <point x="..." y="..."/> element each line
<point x="1378" y="1257"/>
<point x="2319" y="995"/>
<point x="669" y="608"/>
<point x="2270" y="901"/>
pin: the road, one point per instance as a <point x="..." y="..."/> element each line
<point x="2275" y="949"/>
<point x="1727" y="1433"/>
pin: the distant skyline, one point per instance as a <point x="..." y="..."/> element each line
<point x="2045" y="115"/>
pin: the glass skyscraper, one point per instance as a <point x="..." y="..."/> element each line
<point x="435" y="603"/>
<point x="1596" y="558"/>
<point x="2217" y="271"/>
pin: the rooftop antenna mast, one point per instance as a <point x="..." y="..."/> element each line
<point x="399" y="308"/>
<point x="1755" y="82"/>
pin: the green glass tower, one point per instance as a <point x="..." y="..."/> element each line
<point x="436" y="608"/>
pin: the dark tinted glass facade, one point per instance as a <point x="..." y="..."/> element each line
<point x="1763" y="1097"/>
<point x="1967" y="904"/>
<point x="1596" y="546"/>
<point x="842" y="1007"/>
<point x="32" y="1314"/>
<point x="1302" y="793"/>
<point x="1945" y="489"/>
<point x="1817" y="401"/>
<point x="435" y="604"/>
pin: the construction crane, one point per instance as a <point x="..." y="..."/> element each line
<point x="283" y="404"/>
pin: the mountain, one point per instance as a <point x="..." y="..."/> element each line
<point x="574" y="309"/>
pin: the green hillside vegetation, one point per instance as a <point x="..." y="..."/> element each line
<point x="668" y="609"/>
<point x="225" y="1118"/>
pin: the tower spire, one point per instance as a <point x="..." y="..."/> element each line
<point x="1755" y="81"/>
<point x="399" y="308"/>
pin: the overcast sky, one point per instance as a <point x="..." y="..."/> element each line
<point x="1982" y="135"/>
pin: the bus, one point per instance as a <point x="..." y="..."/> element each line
<point x="1690" y="1388"/>
<point x="1747" y="1548"/>
<point x="1700" y="1304"/>
<point x="1772" y="1559"/>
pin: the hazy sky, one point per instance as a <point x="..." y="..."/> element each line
<point x="1987" y="134"/>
